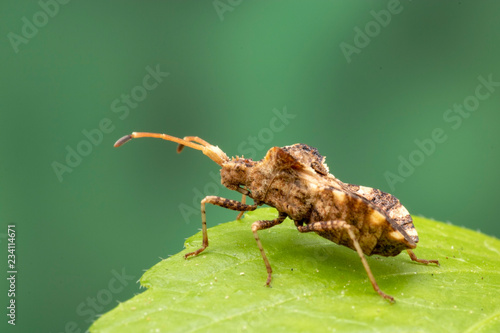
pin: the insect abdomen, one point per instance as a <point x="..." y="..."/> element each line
<point x="390" y="205"/>
<point x="376" y="234"/>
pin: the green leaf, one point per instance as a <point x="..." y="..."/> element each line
<point x="317" y="285"/>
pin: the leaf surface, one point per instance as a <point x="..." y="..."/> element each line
<point x="317" y="285"/>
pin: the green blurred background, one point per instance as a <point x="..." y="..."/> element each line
<point x="244" y="75"/>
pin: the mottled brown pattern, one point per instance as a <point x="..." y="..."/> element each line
<point x="396" y="212"/>
<point x="288" y="179"/>
<point x="308" y="156"/>
<point x="229" y="204"/>
<point x="297" y="182"/>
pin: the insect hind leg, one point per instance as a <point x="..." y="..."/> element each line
<point x="413" y="257"/>
<point x="218" y="201"/>
<point x="337" y="228"/>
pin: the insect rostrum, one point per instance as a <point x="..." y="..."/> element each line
<point x="296" y="181"/>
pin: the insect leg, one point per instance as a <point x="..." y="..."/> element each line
<point x="367" y="267"/>
<point x="263" y="224"/>
<point x="339" y="227"/>
<point x="423" y="261"/>
<point x="335" y="228"/>
<point x="218" y="201"/>
<point x="243" y="201"/>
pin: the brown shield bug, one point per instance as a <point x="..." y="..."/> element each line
<point x="296" y="181"/>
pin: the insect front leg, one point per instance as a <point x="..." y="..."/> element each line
<point x="266" y="224"/>
<point x="222" y="202"/>
<point x="337" y="228"/>
<point x="243" y="201"/>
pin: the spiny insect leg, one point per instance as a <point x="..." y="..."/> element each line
<point x="423" y="261"/>
<point x="263" y="224"/>
<point x="218" y="201"/>
<point x="339" y="227"/>
<point x="336" y="228"/>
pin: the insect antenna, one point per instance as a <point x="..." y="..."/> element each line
<point x="192" y="138"/>
<point x="214" y="152"/>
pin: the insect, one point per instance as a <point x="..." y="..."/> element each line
<point x="297" y="182"/>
